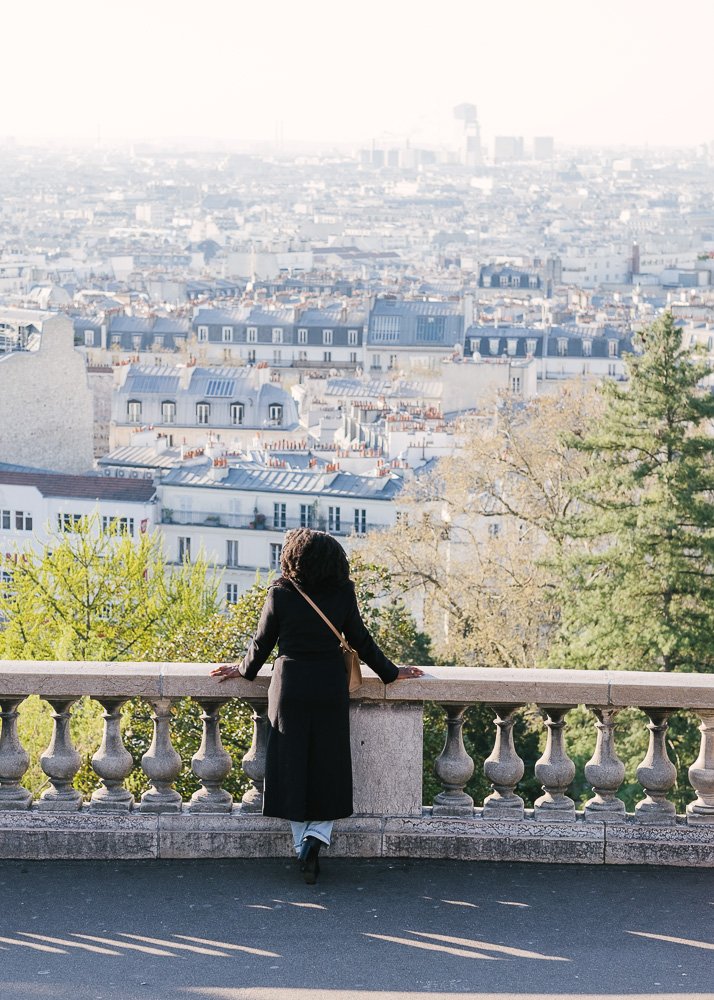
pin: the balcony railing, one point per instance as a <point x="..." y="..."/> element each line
<point x="263" y="522"/>
<point x="390" y="817"/>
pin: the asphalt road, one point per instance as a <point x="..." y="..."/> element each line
<point x="370" y="930"/>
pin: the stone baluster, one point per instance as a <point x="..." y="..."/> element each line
<point x="701" y="774"/>
<point x="14" y="759"/>
<point x="211" y="764"/>
<point x="112" y="762"/>
<point x="556" y="772"/>
<point x="60" y="762"/>
<point x="254" y="761"/>
<point x="161" y="764"/>
<point x="454" y="768"/>
<point x="605" y="772"/>
<point x="657" y="774"/>
<point x="504" y="769"/>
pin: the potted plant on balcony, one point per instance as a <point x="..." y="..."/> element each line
<point x="258" y="519"/>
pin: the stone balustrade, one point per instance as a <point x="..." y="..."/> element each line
<point x="387" y="732"/>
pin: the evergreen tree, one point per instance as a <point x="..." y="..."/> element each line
<point x="637" y="585"/>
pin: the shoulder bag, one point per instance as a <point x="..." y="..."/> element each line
<point x="354" y="674"/>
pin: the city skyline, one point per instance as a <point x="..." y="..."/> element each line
<point x="586" y="73"/>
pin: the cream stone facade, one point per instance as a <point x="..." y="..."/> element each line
<point x="46" y="408"/>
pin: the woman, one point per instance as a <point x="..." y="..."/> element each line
<point x="308" y="771"/>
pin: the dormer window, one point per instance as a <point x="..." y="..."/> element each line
<point x="227" y="334"/>
<point x="562" y="346"/>
<point x="587" y="348"/>
<point x="352" y="338"/>
<point x="277" y="334"/>
<point x="168" y="411"/>
<point x="612" y="348"/>
<point x="531" y="345"/>
<point x="275" y="414"/>
<point x="327" y="336"/>
<point x="202" y="333"/>
<point x="251" y="335"/>
<point x="237" y="413"/>
<point x="493" y="345"/>
<point x="203" y="413"/>
<point x="302" y="336"/>
<point x="133" y="411"/>
<point x="511" y="346"/>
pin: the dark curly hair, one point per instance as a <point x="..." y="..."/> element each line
<point x="314" y="559"/>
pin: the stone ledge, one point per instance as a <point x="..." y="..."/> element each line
<point x="135" y="836"/>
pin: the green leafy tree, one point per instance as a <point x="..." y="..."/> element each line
<point x="93" y="594"/>
<point x="637" y="574"/>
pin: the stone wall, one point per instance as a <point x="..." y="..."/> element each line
<point x="46" y="407"/>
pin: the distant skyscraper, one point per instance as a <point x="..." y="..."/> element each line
<point x="472" y="152"/>
<point x="543" y="147"/>
<point x="507" y="147"/>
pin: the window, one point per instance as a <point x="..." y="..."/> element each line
<point x="386" y="327"/>
<point x="353" y="357"/>
<point x="251" y="357"/>
<point x="327" y="356"/>
<point x="376" y="361"/>
<point x="202" y="333"/>
<point x="277" y="334"/>
<point x="23" y="521"/>
<point x="392" y="361"/>
<point x="352" y="338"/>
<point x="275" y="413"/>
<point x="227" y="334"/>
<point x="327" y="336"/>
<point x="68" y="522"/>
<point x="430" y="329"/>
<point x="232" y="593"/>
<point x="612" y="370"/>
<point x="516" y="281"/>
<point x="237" y="413"/>
<point x="168" y="412"/>
<point x="533" y="281"/>
<point x="5" y="520"/>
<point x="232" y="554"/>
<point x="612" y="348"/>
<point x="516" y="384"/>
<point x="493" y="345"/>
<point x="307" y="515"/>
<point x="136" y="342"/>
<point x="302" y="356"/>
<point x="203" y="413"/>
<point x="251" y="335"/>
<point x="587" y="348"/>
<point x="116" y="340"/>
<point x="133" y="411"/>
<point x="275" y="550"/>
<point x="122" y="525"/>
<point x="277" y="357"/>
<point x="5" y="580"/>
<point x="302" y="336"/>
<point x="494" y="529"/>
<point x="504" y="281"/>
<point x="511" y="346"/>
<point x="279" y="516"/>
<point x="531" y="345"/>
<point x="562" y="346"/>
<point x="360" y="520"/>
<point x="333" y="518"/>
<point x="89" y="338"/>
<point x="184" y="549"/>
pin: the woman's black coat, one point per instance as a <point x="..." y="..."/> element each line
<point x="308" y="773"/>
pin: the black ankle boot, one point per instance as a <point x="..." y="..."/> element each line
<point x="308" y="858"/>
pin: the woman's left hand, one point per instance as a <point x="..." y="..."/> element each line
<point x="405" y="673"/>
<point x="225" y="671"/>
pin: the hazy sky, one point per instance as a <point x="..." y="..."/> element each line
<point x="585" y="71"/>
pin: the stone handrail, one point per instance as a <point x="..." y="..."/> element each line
<point x="386" y="723"/>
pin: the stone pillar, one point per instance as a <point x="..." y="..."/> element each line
<point x="504" y="769"/>
<point x="556" y="771"/>
<point x="161" y="764"/>
<point x="60" y="762"/>
<point x="701" y="774"/>
<point x="112" y="762"/>
<point x="14" y="759"/>
<point x="254" y="761"/>
<point x="453" y="768"/>
<point x="211" y="764"/>
<point x="657" y="774"/>
<point x="605" y="772"/>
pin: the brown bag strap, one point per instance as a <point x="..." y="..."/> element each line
<point x="343" y="642"/>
